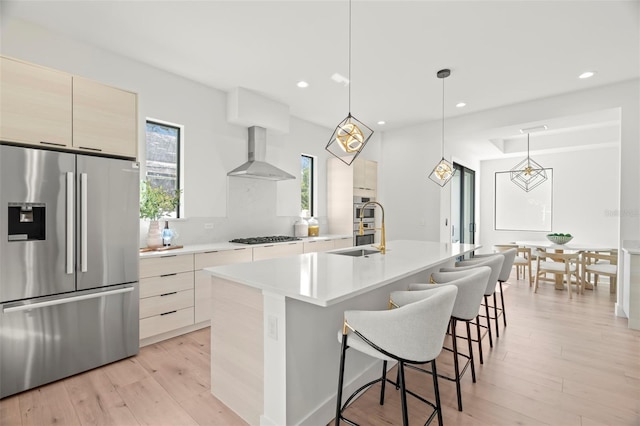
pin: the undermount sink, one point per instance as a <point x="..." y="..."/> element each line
<point x="356" y="253"/>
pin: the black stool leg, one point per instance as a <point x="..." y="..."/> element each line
<point x="340" y="380"/>
<point x="403" y="394"/>
<point x="436" y="390"/>
<point x="456" y="366"/>
<point x="486" y="308"/>
<point x="479" y="338"/>
<point x="504" y="314"/>
<point x="495" y="313"/>
<point x="473" y="367"/>
<point x="384" y="381"/>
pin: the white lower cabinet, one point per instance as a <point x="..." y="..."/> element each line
<point x="203" y="280"/>
<point x="166" y="294"/>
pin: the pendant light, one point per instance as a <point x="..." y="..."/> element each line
<point x="443" y="171"/>
<point x="528" y="174"/>
<point x="351" y="135"/>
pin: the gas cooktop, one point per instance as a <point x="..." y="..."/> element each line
<point x="265" y="240"/>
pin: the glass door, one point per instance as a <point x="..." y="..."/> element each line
<point x="463" y="186"/>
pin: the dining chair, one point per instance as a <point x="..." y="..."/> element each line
<point x="412" y="334"/>
<point x="596" y="263"/>
<point x="522" y="262"/>
<point x="565" y="265"/>
<point x="471" y="284"/>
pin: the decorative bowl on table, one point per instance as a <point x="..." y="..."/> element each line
<point x="559" y="238"/>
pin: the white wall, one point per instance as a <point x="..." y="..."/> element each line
<point x="236" y="207"/>
<point x="585" y="196"/>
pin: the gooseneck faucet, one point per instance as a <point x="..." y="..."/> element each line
<point x="383" y="241"/>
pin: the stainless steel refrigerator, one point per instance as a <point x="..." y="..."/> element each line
<point x="68" y="264"/>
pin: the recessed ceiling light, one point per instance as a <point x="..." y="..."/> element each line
<point x="461" y="105"/>
<point x="587" y="74"/>
<point x="302" y="84"/>
<point x="338" y="78"/>
<point x="382" y="122"/>
<point x="534" y="129"/>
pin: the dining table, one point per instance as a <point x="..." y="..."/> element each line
<point x="561" y="248"/>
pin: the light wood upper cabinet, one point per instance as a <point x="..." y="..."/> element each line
<point x="35" y="104"/>
<point x="365" y="178"/>
<point x="104" y="118"/>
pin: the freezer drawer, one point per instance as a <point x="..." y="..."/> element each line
<point x="47" y="339"/>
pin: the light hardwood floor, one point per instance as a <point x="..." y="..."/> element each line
<point x="558" y="362"/>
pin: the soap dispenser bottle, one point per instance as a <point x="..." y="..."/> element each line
<point x="167" y="234"/>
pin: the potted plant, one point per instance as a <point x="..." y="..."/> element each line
<point x="155" y="203"/>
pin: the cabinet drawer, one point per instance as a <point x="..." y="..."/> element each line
<point x="155" y="286"/>
<point x="318" y="246"/>
<point x="342" y="243"/>
<point x="223" y="257"/>
<point x="279" y="250"/>
<point x="166" y="302"/>
<point x="162" y="323"/>
<point x="163" y="265"/>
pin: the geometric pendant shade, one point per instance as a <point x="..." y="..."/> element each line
<point x="528" y="174"/>
<point x="349" y="139"/>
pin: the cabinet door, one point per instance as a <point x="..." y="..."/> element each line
<point x="104" y="118"/>
<point x="342" y="243"/>
<point x="318" y="246"/>
<point x="222" y="257"/>
<point x="359" y="181"/>
<point x="371" y="174"/>
<point x="35" y="105"/>
<point x="203" y="280"/>
<point x="278" y="250"/>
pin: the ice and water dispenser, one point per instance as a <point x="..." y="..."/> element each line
<point x="26" y="221"/>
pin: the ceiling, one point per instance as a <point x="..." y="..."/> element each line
<point x="499" y="52"/>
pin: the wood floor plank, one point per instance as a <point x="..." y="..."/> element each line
<point x="177" y="376"/>
<point x="48" y="405"/>
<point x="96" y="400"/>
<point x="206" y="409"/>
<point x="125" y="371"/>
<point x="152" y="405"/>
<point x="10" y="411"/>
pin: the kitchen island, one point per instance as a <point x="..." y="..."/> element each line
<point x="274" y="351"/>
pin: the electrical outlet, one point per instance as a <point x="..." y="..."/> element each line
<point x="208" y="226"/>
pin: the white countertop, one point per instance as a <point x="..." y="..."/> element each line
<point x="327" y="278"/>
<point x="201" y="248"/>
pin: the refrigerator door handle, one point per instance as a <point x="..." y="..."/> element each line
<point x="83" y="222"/>
<point x="70" y="223"/>
<point x="66" y="300"/>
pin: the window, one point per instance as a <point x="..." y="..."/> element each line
<point x="163" y="155"/>
<point x="307" y="184"/>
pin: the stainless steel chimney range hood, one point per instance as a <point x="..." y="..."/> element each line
<point x="256" y="167"/>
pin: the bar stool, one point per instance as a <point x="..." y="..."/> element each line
<point x="412" y="334"/>
<point x="471" y="285"/>
<point x="509" y="258"/>
<point x="495" y="263"/>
